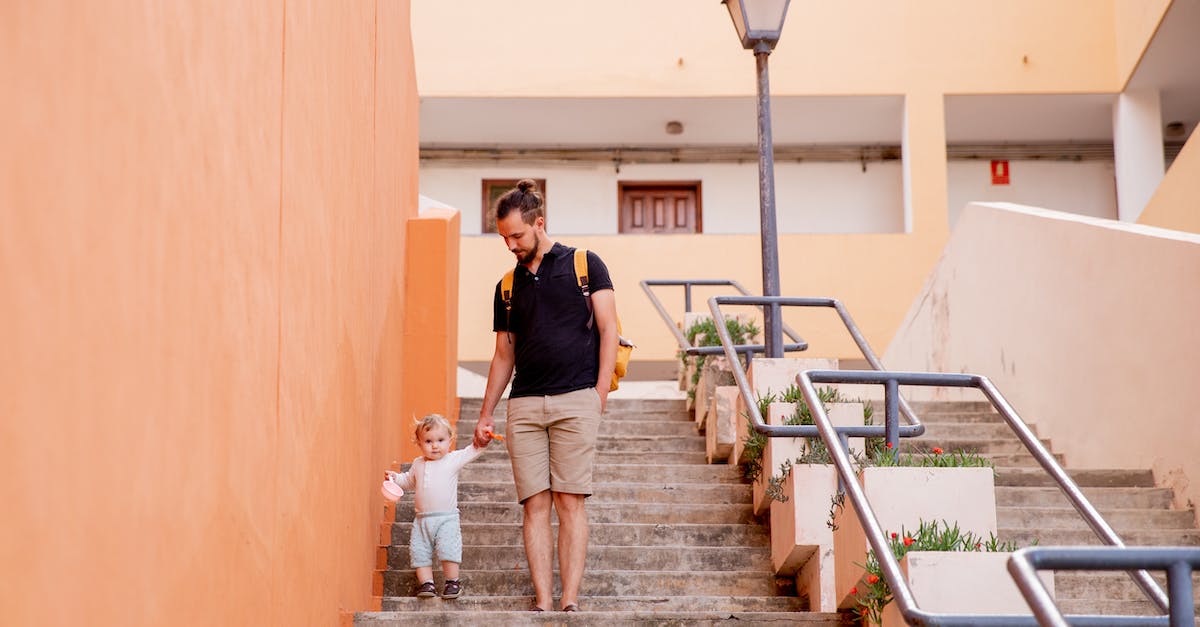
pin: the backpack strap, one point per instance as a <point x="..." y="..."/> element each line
<point x="581" y="277"/>
<point x="506" y="285"/>
<point x="506" y="292"/>
<point x="581" y="270"/>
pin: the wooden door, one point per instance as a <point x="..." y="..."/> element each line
<point x="660" y="207"/>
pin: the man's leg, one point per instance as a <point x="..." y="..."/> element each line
<point x="539" y="547"/>
<point x="572" y="543"/>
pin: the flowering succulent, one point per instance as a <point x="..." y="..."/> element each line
<point x="935" y="457"/>
<point x="875" y="593"/>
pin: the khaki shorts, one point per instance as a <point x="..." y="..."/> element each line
<point x="552" y="442"/>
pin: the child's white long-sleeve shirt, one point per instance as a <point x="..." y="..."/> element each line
<point x="434" y="484"/>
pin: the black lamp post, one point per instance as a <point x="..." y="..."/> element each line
<point x="759" y="24"/>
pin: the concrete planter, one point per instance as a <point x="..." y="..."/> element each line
<point x="903" y="497"/>
<point x="779" y="450"/>
<point x="801" y="541"/>
<point x="772" y="376"/>
<point x="715" y="373"/>
<point x="960" y="583"/>
<point x="720" y="430"/>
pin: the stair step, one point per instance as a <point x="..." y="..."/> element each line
<point x="631" y="493"/>
<point x="661" y="603"/>
<point x="943" y="407"/>
<point x="1017" y="460"/>
<point x="599" y="512"/>
<point x="967" y="430"/>
<point x="496" y="453"/>
<point x="1067" y="518"/>
<point x="613" y="534"/>
<point x="650" y="444"/>
<point x="682" y="557"/>
<point x="615" y="406"/>
<point x="977" y="445"/>
<point x="626" y="444"/>
<point x="1102" y="478"/>
<point x="514" y="580"/>
<point x="1025" y="536"/>
<point x="608" y="619"/>
<point x="953" y="417"/>
<point x="1108" y="607"/>
<point x="611" y="428"/>
<point x="1113" y="585"/>
<point x="1103" y="498"/>
<point x="630" y="473"/>
<point x="666" y="417"/>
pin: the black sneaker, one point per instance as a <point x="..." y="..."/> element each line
<point x="426" y="590"/>
<point x="452" y="590"/>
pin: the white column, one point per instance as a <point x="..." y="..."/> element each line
<point x="1138" y="150"/>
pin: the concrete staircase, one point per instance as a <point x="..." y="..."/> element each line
<point x="673" y="540"/>
<point x="1029" y="506"/>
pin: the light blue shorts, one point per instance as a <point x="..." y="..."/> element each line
<point x="435" y="532"/>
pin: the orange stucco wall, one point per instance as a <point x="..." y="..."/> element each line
<point x="431" y="323"/>
<point x="202" y="227"/>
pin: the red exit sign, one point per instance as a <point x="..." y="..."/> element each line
<point x="1000" y="172"/>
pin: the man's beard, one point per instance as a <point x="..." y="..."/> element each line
<point x="528" y="257"/>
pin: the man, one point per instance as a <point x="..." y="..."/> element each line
<point x="564" y="351"/>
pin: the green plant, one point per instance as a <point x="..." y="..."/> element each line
<point x="883" y="456"/>
<point x="705" y="330"/>
<point x="774" y="489"/>
<point x="755" y="442"/>
<point x="815" y="451"/>
<point x="875" y="593"/>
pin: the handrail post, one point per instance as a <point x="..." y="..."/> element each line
<point x="687" y="298"/>
<point x="1179" y="586"/>
<point x="891" y="417"/>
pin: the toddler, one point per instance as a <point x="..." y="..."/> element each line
<point x="433" y="478"/>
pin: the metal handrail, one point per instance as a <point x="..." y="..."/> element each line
<point x="891" y="430"/>
<point x="875" y="534"/>
<point x="798" y="343"/>
<point x="1178" y="562"/>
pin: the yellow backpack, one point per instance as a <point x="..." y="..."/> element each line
<point x="624" y="346"/>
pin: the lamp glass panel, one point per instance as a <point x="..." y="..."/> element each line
<point x="765" y="15"/>
<point x="735" y="11"/>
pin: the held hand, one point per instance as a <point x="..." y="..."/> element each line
<point x="483" y="431"/>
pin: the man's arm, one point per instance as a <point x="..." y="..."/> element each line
<point x="499" y="373"/>
<point x="604" y="308"/>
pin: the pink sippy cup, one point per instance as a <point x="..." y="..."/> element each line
<point x="391" y="491"/>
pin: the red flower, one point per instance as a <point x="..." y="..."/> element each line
<point x="889" y="445"/>
<point x="854" y="590"/>
<point x="979" y="545"/>
<point x="872" y="579"/>
<point x="937" y="450"/>
<point x="908" y="541"/>
<point x="895" y="535"/>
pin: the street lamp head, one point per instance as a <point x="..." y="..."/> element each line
<point x="759" y="23"/>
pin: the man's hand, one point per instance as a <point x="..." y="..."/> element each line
<point x="483" y="431"/>
<point x="602" y="390"/>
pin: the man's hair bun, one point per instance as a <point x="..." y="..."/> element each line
<point x="527" y="185"/>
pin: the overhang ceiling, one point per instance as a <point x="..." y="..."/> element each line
<point x="1171" y="64"/>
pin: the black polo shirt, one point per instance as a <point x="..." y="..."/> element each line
<point x="555" y="350"/>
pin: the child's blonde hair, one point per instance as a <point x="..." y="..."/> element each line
<point x="430" y="422"/>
